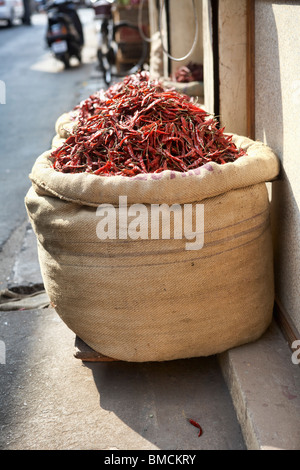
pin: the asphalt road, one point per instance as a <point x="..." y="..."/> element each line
<point x="38" y="89"/>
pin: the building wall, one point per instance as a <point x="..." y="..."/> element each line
<point x="232" y="45"/>
<point x="181" y="36"/>
<point x="208" y="60"/>
<point x="232" y="65"/>
<point x="182" y="31"/>
<point x="277" y="123"/>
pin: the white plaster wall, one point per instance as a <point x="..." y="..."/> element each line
<point x="182" y="35"/>
<point x="277" y="116"/>
<point x="182" y="31"/>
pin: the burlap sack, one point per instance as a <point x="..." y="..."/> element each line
<point x="153" y="299"/>
<point x="195" y="89"/>
<point x="65" y="125"/>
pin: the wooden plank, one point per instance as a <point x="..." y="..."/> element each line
<point x="250" y="69"/>
<point x="87" y="354"/>
<point x="285" y="323"/>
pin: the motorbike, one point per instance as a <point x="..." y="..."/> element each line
<point x="64" y="31"/>
<point x="110" y="42"/>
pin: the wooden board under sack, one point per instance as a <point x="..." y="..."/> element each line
<point x="85" y="353"/>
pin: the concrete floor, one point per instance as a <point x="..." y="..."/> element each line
<point x="51" y="400"/>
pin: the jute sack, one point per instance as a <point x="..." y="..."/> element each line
<point x="65" y="124"/>
<point x="153" y="299"/>
<point x="191" y="88"/>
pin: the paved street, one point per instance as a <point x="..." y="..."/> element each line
<point x="38" y="90"/>
<point x="50" y="400"/>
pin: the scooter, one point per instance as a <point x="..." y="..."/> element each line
<point x="64" y="32"/>
<point x="106" y="49"/>
<point x="108" y="46"/>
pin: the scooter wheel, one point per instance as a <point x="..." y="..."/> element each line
<point x="111" y="56"/>
<point x="66" y="61"/>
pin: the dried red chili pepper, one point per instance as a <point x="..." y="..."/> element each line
<point x="197" y="425"/>
<point x="137" y="126"/>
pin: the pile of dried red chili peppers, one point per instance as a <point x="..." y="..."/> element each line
<point x="189" y="73"/>
<point x="137" y="126"/>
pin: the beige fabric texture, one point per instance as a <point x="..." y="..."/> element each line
<point x="151" y="299"/>
<point x="65" y="125"/>
<point x="190" y="88"/>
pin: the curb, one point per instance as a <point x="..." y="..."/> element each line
<point x="265" y="388"/>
